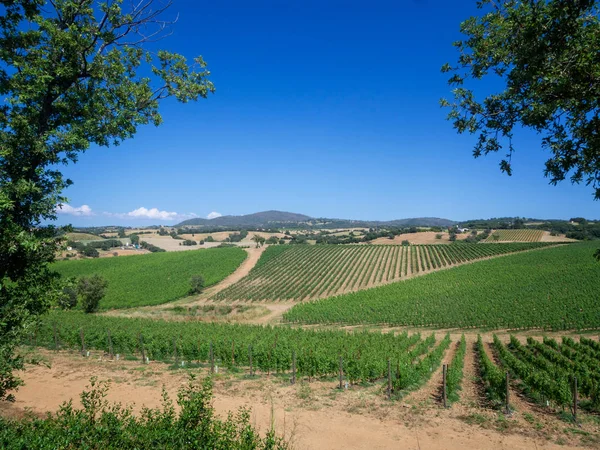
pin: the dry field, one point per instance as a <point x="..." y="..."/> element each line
<point x="422" y="237"/>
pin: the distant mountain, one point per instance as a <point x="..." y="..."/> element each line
<point x="260" y="219"/>
<point x="278" y="219"/>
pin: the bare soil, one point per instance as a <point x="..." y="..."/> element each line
<point x="313" y="415"/>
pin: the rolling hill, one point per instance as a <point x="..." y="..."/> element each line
<point x="277" y="219"/>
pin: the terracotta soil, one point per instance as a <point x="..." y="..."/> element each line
<point x="311" y="416"/>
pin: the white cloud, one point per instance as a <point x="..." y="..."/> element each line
<point x="214" y="215"/>
<point x="152" y="214"/>
<point x="83" y="210"/>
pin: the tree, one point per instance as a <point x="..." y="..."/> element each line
<point x="91" y="290"/>
<point x="68" y="299"/>
<point x="258" y="239"/>
<point x="196" y="284"/>
<point x="272" y="240"/>
<point x="544" y="53"/>
<point x="73" y="73"/>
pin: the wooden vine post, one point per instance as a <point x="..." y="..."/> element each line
<point x="575" y="394"/>
<point x="55" y="337"/>
<point x="110" y="345"/>
<point x="82" y="336"/>
<point x="444" y="379"/>
<point x="341" y="372"/>
<point x="141" y="338"/>
<point x="389" y="380"/>
<point x="175" y="355"/>
<point x="294" y="367"/>
<point x="507" y="399"/>
<point x="250" y="358"/>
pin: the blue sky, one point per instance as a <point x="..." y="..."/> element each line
<point x="325" y="108"/>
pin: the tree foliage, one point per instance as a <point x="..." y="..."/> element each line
<point x="73" y="73"/>
<point x="544" y="52"/>
<point x="91" y="290"/>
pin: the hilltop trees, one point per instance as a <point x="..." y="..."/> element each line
<point x="73" y="73"/>
<point x="544" y="53"/>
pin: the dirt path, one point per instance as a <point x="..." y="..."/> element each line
<point x="311" y="416"/>
<point x="202" y="299"/>
<point x="430" y="392"/>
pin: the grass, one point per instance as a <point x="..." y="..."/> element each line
<point x="83" y="237"/>
<point x="554" y="288"/>
<point x="156" y="278"/>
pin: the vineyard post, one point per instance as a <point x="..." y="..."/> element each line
<point x="232" y="353"/>
<point x="212" y="359"/>
<point x="575" y="399"/>
<point x="250" y="357"/>
<point x="142" y="348"/>
<point x="175" y="356"/>
<point x="341" y="372"/>
<point x="444" y="393"/>
<point x="294" y="367"/>
<point x="82" y="335"/>
<point x="55" y="337"/>
<point x="507" y="394"/>
<point x="389" y="380"/>
<point x="110" y="346"/>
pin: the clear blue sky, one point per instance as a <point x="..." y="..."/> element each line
<point x="327" y="108"/>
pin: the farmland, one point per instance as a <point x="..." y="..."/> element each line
<point x="266" y="349"/>
<point x="516" y="236"/>
<point x="308" y="272"/>
<point x="154" y="278"/>
<point x="556" y="288"/>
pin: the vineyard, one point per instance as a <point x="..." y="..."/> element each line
<point x="552" y="289"/>
<point x="516" y="236"/>
<point x="551" y="373"/>
<point x="309" y="272"/>
<point x="365" y="356"/>
<point x="154" y="278"/>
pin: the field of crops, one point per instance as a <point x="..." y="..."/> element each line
<point x="546" y="370"/>
<point x="516" y="236"/>
<point x="308" y="272"/>
<point x="83" y="237"/>
<point x="154" y="278"/>
<point x="556" y="288"/>
<point x="313" y="354"/>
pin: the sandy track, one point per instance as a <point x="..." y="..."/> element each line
<point x="315" y="416"/>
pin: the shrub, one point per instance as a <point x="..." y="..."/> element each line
<point x="91" y="290"/>
<point x="405" y="242"/>
<point x="188" y="242"/>
<point x="196" y="284"/>
<point x="68" y="297"/>
<point x="101" y="425"/>
<point x="209" y="239"/>
<point x="439" y="236"/>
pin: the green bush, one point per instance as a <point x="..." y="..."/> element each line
<point x="91" y="290"/>
<point x="100" y="425"/>
<point x="196" y="284"/>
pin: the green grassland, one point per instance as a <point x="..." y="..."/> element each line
<point x="155" y="278"/>
<point x="555" y="288"/>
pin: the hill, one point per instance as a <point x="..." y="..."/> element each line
<point x="278" y="219"/>
<point x="259" y="219"/>
<point x="555" y="288"/>
<point x="297" y="272"/>
<point x="155" y="278"/>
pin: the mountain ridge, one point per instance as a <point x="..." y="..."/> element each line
<point x="274" y="218"/>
